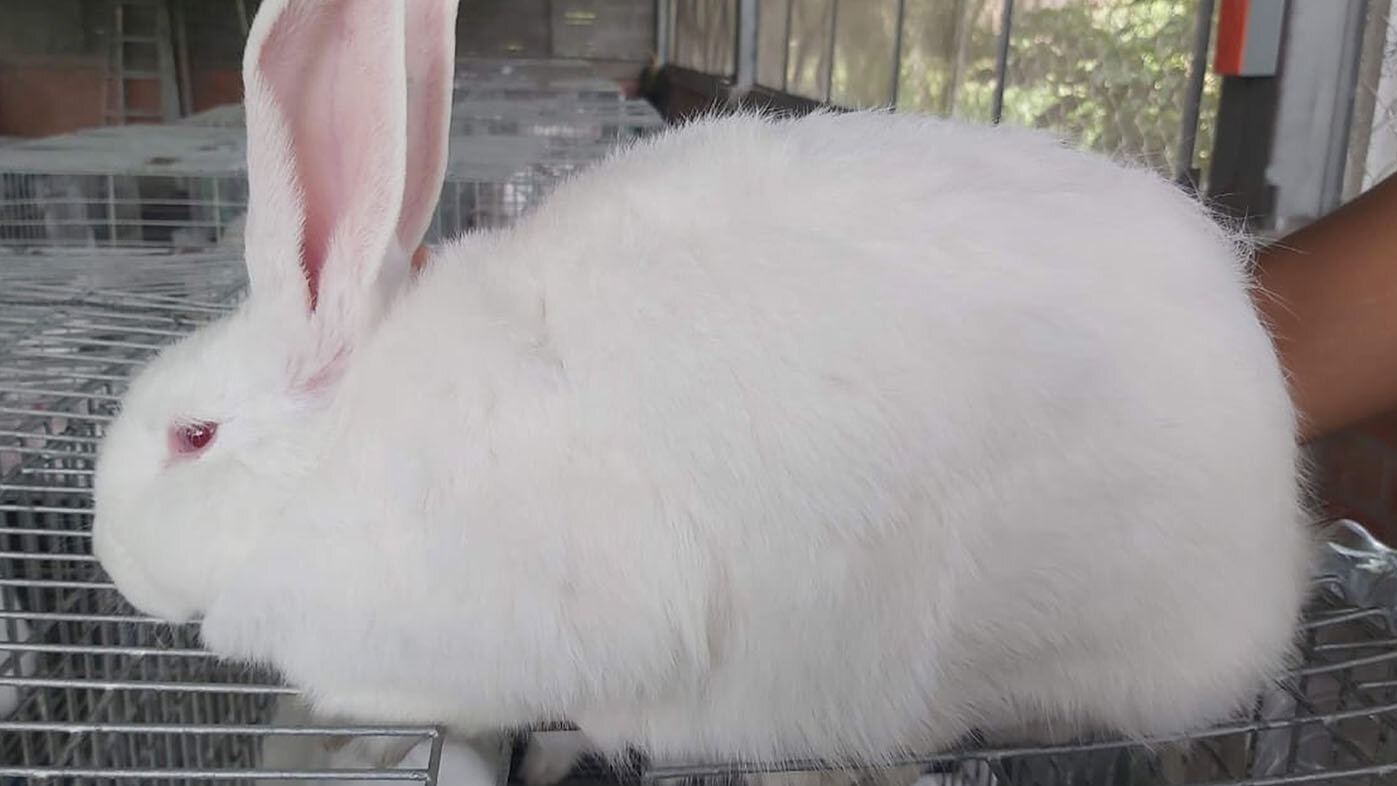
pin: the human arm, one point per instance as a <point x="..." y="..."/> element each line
<point x="1329" y="294"/>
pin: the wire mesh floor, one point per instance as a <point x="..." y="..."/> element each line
<point x="92" y="692"/>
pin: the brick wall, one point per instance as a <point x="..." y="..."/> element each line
<point x="49" y="96"/>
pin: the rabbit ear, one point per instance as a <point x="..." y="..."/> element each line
<point x="431" y="61"/>
<point x="346" y="153"/>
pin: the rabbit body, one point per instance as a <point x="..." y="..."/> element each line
<point x="825" y="438"/>
<point x="834" y="436"/>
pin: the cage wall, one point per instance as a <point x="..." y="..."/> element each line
<point x="517" y="129"/>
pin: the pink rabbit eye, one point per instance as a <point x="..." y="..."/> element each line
<point x="188" y="439"/>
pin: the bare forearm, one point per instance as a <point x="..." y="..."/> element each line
<point x="1329" y="293"/>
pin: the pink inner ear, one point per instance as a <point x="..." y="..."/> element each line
<point x="326" y="66"/>
<point x="430" y="62"/>
<point x="312" y="261"/>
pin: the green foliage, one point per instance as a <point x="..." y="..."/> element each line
<point x="1112" y="74"/>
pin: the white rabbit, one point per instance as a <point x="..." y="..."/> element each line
<point x="831" y="437"/>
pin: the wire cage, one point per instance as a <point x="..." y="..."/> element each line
<point x="551" y="98"/>
<point x="123" y="186"/>
<point x="520" y="97"/>
<point x="517" y="129"/>
<point x="92" y="692"/>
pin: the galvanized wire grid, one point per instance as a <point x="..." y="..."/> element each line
<point x="123" y="186"/>
<point x="90" y="691"/>
<point x="517" y="129"/>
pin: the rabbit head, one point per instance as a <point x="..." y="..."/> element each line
<point x="347" y="128"/>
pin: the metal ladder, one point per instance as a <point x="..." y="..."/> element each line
<point x="141" y="27"/>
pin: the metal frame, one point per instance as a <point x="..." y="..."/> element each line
<point x="1001" y="61"/>
<point x="745" y="49"/>
<point x="1336" y="156"/>
<point x="664" y="27"/>
<point x="786" y="50"/>
<point x="831" y="49"/>
<point x="1372" y="62"/>
<point x="898" y="25"/>
<point x="1198" y="72"/>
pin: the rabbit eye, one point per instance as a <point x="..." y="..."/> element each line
<point x="188" y="439"/>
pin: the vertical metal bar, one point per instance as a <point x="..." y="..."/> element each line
<point x="186" y="86"/>
<point x="786" y="57"/>
<point x="120" y="51"/>
<point x="1001" y="62"/>
<point x="897" y="52"/>
<point x="458" y="222"/>
<point x="552" y="41"/>
<point x="663" y="25"/>
<point x="111" y="209"/>
<point x="197" y="706"/>
<point x="950" y="96"/>
<point x="217" y="212"/>
<point x="829" y="53"/>
<point x="1375" y="30"/>
<point x="95" y="749"/>
<point x="165" y="58"/>
<point x="11" y="209"/>
<point x="746" y="46"/>
<point x="1331" y="191"/>
<point x="1193" y="100"/>
<point x="26" y="750"/>
<point x="434" y="757"/>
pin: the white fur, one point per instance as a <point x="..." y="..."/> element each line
<point x="831" y="437"/>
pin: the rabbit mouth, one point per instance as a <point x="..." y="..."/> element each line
<point x="135" y="585"/>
